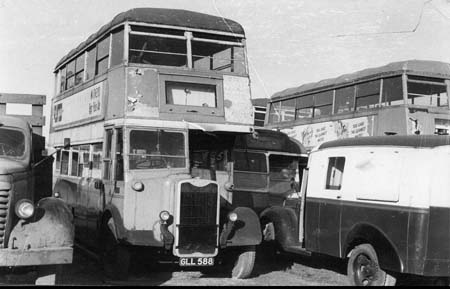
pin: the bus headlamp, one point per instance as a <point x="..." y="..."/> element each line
<point x="138" y="186"/>
<point x="24" y="209"/>
<point x="232" y="217"/>
<point x="164" y="216"/>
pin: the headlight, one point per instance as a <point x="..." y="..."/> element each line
<point x="24" y="209"/>
<point x="138" y="186"/>
<point x="164" y="216"/>
<point x="232" y="217"/>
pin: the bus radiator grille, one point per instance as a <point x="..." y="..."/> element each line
<point x="198" y="228"/>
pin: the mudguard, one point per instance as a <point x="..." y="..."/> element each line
<point x="285" y="223"/>
<point x="50" y="227"/>
<point x="245" y="231"/>
<point x="117" y="226"/>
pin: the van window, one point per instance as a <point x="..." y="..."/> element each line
<point x="335" y="173"/>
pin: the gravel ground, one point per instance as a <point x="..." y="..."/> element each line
<point x="284" y="270"/>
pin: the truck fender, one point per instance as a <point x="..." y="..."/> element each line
<point x="51" y="226"/>
<point x="245" y="231"/>
<point x="285" y="224"/>
<point x="116" y="225"/>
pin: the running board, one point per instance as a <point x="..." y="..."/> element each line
<point x="297" y="250"/>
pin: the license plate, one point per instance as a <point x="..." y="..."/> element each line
<point x="201" y="261"/>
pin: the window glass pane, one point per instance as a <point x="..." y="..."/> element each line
<point x="427" y="94"/>
<point x="102" y="66"/>
<point x="65" y="163"/>
<point x="74" y="171"/>
<point x="156" y="149"/>
<point x="103" y="48"/>
<point x="119" y="155"/>
<point x="79" y="64"/>
<point x="287" y="110"/>
<point x="79" y="77"/>
<point x="323" y="110"/>
<point x="274" y="112"/>
<point x="70" y="68"/>
<point x="158" y="51"/>
<point x="305" y="101"/>
<point x="335" y="173"/>
<point x="304" y="113"/>
<point x="58" y="161"/>
<point x="97" y="160"/>
<point x="63" y="79"/>
<point x="90" y="65"/>
<point x="70" y="74"/>
<point x="392" y="91"/>
<point x="220" y="57"/>
<point x="344" y="99"/>
<point x="368" y="88"/>
<point x="109" y="134"/>
<point x="117" y="48"/>
<point x="323" y="98"/>
<point x="250" y="162"/>
<point x="12" y="142"/>
<point x="183" y="93"/>
<point x="367" y="102"/>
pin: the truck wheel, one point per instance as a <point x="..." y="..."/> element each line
<point x="49" y="275"/>
<point x="363" y="268"/>
<point x="244" y="263"/>
<point x="115" y="257"/>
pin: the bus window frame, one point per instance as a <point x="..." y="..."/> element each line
<point x="194" y="79"/>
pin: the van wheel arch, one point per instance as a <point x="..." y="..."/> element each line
<point x="388" y="256"/>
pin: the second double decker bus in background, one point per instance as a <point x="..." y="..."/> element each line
<point x="156" y="109"/>
<point x="404" y="98"/>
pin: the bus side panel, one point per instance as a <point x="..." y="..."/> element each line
<point x="438" y="248"/>
<point x="391" y="120"/>
<point x="115" y="100"/>
<point x="142" y="92"/>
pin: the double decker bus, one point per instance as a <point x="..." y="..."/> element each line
<point x="154" y="120"/>
<point x="404" y="98"/>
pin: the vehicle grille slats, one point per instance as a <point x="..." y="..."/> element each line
<point x="198" y="219"/>
<point x="4" y="206"/>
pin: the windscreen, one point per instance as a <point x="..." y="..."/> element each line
<point x="12" y="143"/>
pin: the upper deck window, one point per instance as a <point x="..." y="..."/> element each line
<point x="102" y="56"/>
<point x="392" y="91"/>
<point x="177" y="48"/>
<point x="427" y="91"/>
<point x="344" y="99"/>
<point x="367" y="95"/>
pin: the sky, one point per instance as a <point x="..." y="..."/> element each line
<point x="289" y="42"/>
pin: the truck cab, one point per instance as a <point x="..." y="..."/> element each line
<point x="36" y="229"/>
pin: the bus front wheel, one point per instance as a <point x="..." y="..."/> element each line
<point x="243" y="263"/>
<point x="363" y="268"/>
<point x="115" y="257"/>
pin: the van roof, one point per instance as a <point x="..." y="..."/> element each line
<point x="417" y="141"/>
<point x="162" y="16"/>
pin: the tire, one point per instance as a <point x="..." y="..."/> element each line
<point x="49" y="275"/>
<point x="115" y="257"/>
<point x="244" y="263"/>
<point x="363" y="268"/>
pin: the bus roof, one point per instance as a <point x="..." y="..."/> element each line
<point x="417" y="67"/>
<point x="162" y="16"/>
<point x="270" y="140"/>
<point x="416" y="141"/>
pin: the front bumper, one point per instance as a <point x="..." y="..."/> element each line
<point x="39" y="256"/>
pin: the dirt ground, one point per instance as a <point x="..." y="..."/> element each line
<point x="284" y="270"/>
